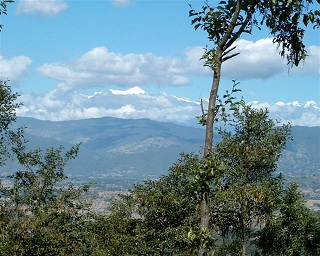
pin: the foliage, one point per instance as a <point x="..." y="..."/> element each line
<point x="247" y="191"/>
<point x="225" y="106"/>
<point x="40" y="214"/>
<point x="115" y="232"/>
<point x="161" y="217"/>
<point x="157" y="217"/>
<point x="293" y="230"/>
<point x="9" y="138"/>
<point x="252" y="150"/>
<point x="3" y="8"/>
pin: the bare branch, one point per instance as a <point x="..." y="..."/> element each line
<point x="230" y="50"/>
<point x="230" y="56"/>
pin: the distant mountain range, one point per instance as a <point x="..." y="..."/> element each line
<point x="128" y="150"/>
<point x="135" y="103"/>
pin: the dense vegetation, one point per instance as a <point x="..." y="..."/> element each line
<point x="251" y="212"/>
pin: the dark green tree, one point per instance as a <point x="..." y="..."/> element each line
<point x="248" y="190"/>
<point x="226" y="22"/>
<point x="292" y="230"/>
<point x="40" y="213"/>
<point x="9" y="137"/>
<point x="157" y="217"/>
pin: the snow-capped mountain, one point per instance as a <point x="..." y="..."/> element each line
<point x="136" y="103"/>
<point x="131" y="91"/>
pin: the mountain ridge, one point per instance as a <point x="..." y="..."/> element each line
<point x="141" y="148"/>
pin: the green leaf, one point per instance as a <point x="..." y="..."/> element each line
<point x="305" y="19"/>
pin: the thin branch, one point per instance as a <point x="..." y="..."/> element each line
<point x="243" y="26"/>
<point x="230" y="50"/>
<point x="239" y="32"/>
<point x="201" y="104"/>
<point x="231" y="27"/>
<point x="230" y="56"/>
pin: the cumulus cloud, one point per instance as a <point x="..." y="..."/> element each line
<point x="311" y="65"/>
<point x="102" y="68"/>
<point x="121" y="3"/>
<point x="257" y="60"/>
<point x="136" y="103"/>
<point x="193" y="63"/>
<point x="45" y="7"/>
<point x="14" y="69"/>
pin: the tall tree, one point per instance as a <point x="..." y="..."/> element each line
<point x="225" y="23"/>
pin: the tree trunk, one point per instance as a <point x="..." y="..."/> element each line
<point x="221" y="50"/>
<point x="212" y="103"/>
<point x="204" y="219"/>
<point x="243" y="248"/>
<point x="205" y="203"/>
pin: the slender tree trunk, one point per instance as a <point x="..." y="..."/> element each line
<point x="212" y="103"/>
<point x="221" y="50"/>
<point x="205" y="202"/>
<point x="204" y="219"/>
<point x="243" y="248"/>
<point x="243" y="228"/>
<point x="243" y="238"/>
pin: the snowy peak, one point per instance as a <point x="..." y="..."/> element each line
<point x="307" y="104"/>
<point x="131" y="91"/>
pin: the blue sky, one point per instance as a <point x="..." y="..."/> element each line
<point x="58" y="53"/>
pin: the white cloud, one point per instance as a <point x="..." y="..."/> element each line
<point x="121" y="3"/>
<point x="102" y="68"/>
<point x="160" y="107"/>
<point x="295" y="113"/>
<point x="257" y="60"/>
<point x="45" y="7"/>
<point x="192" y="63"/>
<point x="14" y="69"/>
<point x="311" y="66"/>
<point x="140" y="104"/>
